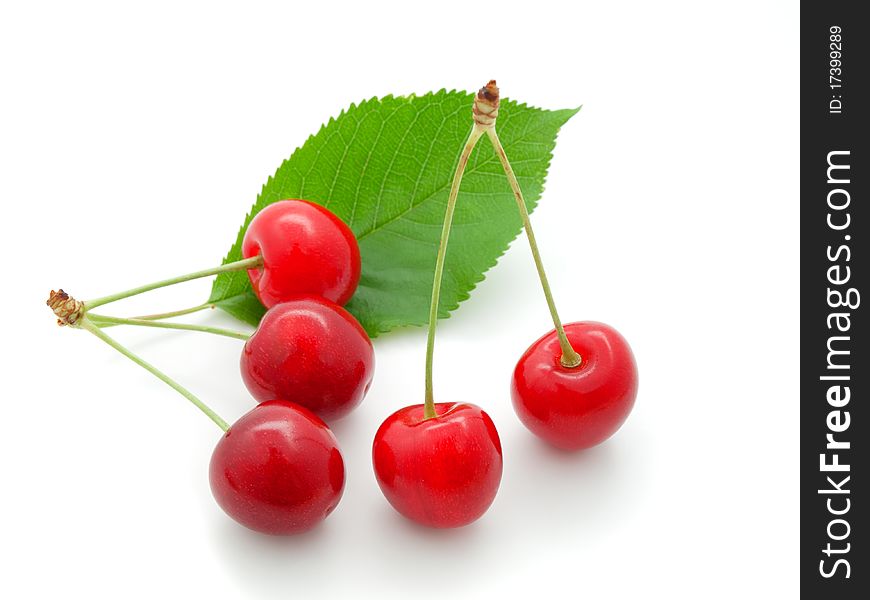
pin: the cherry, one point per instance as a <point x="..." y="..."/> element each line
<point x="278" y="469"/>
<point x="305" y="249"/>
<point x="576" y="407"/>
<point x="312" y="352"/>
<point x="575" y="386"/>
<point x="442" y="471"/>
<point x="440" y="464"/>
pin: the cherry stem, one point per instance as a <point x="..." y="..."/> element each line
<point x="175" y="313"/>
<point x="473" y="137"/>
<point x="85" y="323"/>
<point x="104" y="321"/>
<point x="570" y="357"/>
<point x="239" y="265"/>
<point x="168" y="315"/>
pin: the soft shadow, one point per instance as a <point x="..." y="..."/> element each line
<point x="348" y="426"/>
<point x="404" y="550"/>
<point x="373" y="549"/>
<point x="562" y="494"/>
<point x="273" y="563"/>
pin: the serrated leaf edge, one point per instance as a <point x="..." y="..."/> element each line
<point x="444" y="311"/>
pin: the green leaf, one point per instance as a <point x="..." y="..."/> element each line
<point x="384" y="167"/>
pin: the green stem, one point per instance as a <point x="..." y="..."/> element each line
<point x="175" y="313"/>
<point x="570" y="358"/>
<point x="100" y="320"/>
<point x="93" y="328"/>
<point x="429" y="406"/>
<point x="168" y="315"/>
<point x="240" y="265"/>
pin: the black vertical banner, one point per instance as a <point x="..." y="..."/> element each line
<point x="834" y="370"/>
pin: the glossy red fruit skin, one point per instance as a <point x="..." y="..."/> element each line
<point x="277" y="470"/>
<point x="576" y="408"/>
<point x="440" y="472"/>
<point x="312" y="352"/>
<point x="306" y="250"/>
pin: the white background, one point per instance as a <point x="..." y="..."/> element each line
<point x="133" y="141"/>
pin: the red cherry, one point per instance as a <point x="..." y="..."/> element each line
<point x="576" y="408"/>
<point x="306" y="250"/>
<point x="278" y="469"/>
<point x="441" y="472"/>
<point x="312" y="352"/>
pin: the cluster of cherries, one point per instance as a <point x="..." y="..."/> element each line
<point x="279" y="469"/>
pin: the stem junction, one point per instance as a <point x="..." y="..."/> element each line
<point x="74" y="313"/>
